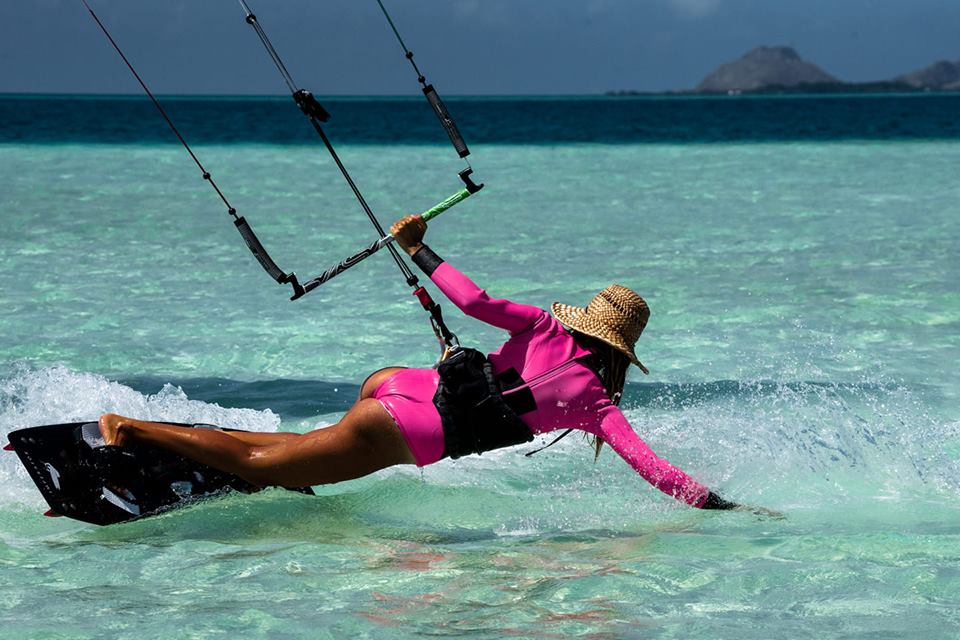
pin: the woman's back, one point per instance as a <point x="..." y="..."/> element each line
<point x="548" y="367"/>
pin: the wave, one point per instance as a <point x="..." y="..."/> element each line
<point x="54" y="395"/>
<point x="286" y="397"/>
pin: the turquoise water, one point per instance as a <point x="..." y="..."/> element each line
<point x="802" y="344"/>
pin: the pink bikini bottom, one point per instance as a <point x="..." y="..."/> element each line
<point x="407" y="395"/>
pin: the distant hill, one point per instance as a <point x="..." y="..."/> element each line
<point x="942" y="75"/>
<point x="765" y="67"/>
<point x="776" y="70"/>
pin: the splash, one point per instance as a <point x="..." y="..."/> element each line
<point x="785" y="445"/>
<point x="797" y="446"/>
<point x="54" y="395"/>
<point x="807" y="443"/>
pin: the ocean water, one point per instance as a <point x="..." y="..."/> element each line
<point x="800" y="257"/>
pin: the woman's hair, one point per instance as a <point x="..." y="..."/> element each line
<point x="611" y="365"/>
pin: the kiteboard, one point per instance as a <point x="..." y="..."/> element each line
<point x="83" y="479"/>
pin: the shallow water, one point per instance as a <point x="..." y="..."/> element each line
<point x="804" y="329"/>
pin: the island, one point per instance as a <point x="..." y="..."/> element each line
<point x="780" y="69"/>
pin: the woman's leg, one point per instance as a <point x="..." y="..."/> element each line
<point x="364" y="441"/>
<point x="109" y="423"/>
<point x="260" y="437"/>
<point x="369" y="385"/>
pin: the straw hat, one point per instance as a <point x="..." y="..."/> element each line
<point x="616" y="316"/>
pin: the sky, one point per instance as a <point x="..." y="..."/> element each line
<point x="466" y="47"/>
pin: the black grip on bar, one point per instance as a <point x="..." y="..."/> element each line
<point x="446" y="120"/>
<point x="260" y="253"/>
<point x="256" y="247"/>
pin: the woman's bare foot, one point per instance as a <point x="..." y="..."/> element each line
<point x="110" y="424"/>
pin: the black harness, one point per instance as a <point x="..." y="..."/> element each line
<point x="475" y="413"/>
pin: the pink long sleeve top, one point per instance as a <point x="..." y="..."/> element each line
<point x="568" y="394"/>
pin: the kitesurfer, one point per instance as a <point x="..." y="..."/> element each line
<point x="565" y="370"/>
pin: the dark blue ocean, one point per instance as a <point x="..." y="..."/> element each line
<point x="523" y="121"/>
<point x="800" y="258"/>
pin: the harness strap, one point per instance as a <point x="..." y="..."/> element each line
<point x="555" y="441"/>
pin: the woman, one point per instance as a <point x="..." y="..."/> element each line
<point x="553" y="373"/>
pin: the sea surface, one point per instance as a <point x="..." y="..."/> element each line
<point x="801" y="257"/>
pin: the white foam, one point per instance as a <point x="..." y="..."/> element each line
<point x="53" y="395"/>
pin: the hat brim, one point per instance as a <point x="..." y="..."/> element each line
<point x="577" y="318"/>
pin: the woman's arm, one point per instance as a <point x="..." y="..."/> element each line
<point x="460" y="289"/>
<point x="617" y="432"/>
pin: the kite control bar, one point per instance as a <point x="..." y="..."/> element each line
<point x="469" y="189"/>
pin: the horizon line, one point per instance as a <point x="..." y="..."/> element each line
<point x="613" y="94"/>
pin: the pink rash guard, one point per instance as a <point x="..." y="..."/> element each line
<point x="568" y="394"/>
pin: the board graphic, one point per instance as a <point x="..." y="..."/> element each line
<point x="82" y="479"/>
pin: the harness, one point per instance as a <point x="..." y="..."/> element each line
<point x="475" y="414"/>
<point x="480" y="411"/>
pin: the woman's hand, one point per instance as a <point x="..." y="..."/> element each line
<point x="714" y="501"/>
<point x="409" y="232"/>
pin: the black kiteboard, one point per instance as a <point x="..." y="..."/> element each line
<point x="82" y="479"/>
